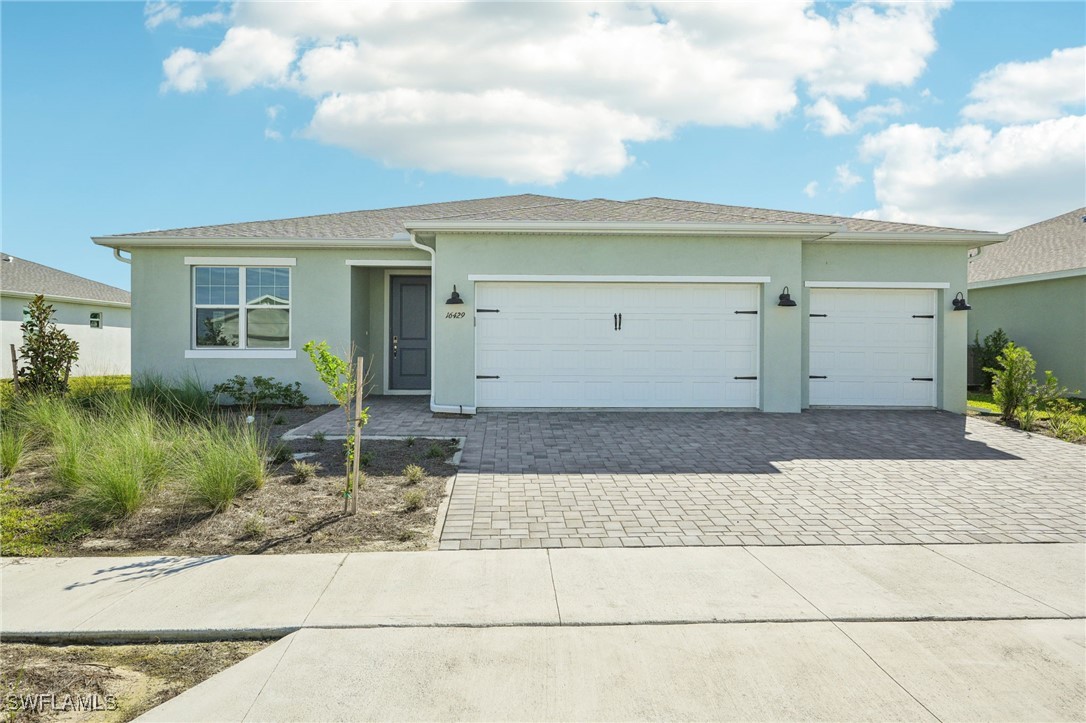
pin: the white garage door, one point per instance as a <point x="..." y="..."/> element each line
<point x="616" y="345"/>
<point x="872" y="347"/>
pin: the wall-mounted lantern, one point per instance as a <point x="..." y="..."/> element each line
<point x="786" y="299"/>
<point x="960" y="303"/>
<point x="455" y="298"/>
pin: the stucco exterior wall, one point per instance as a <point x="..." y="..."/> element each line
<point x="1046" y="317"/>
<point x="101" y="351"/>
<point x="903" y="263"/>
<point x="331" y="301"/>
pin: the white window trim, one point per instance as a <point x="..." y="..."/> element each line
<point x="238" y="261"/>
<point x="877" y="285"/>
<point x="240" y="351"/>
<point x="625" y="279"/>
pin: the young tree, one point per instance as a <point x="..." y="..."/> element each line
<point x="47" y="352"/>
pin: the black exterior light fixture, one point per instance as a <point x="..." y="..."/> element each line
<point x="786" y="299"/>
<point x="960" y="303"/>
<point x="455" y="298"/>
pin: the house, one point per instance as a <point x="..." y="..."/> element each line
<point x="1034" y="288"/>
<point x="96" y="315"/>
<point x="534" y="301"/>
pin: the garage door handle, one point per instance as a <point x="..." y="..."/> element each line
<point x="746" y="377"/>
<point x="818" y="376"/>
<point x="487" y="311"/>
<point x="616" y="322"/>
<point x="823" y="315"/>
<point x="485" y="376"/>
<point x="746" y="312"/>
<point x="923" y="316"/>
<point x="923" y="379"/>
<point x="620" y="322"/>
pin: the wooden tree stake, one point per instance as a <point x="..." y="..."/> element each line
<point x="358" y="393"/>
<point x="14" y="368"/>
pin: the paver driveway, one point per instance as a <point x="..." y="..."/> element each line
<point x="599" y="479"/>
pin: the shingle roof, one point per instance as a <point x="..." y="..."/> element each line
<point x="1058" y="244"/>
<point x="386" y="222"/>
<point x="26" y="277"/>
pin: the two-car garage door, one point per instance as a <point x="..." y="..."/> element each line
<point x="646" y="344"/>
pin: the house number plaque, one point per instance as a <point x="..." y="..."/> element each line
<point x="455" y="315"/>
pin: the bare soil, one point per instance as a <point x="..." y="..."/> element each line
<point x="121" y="681"/>
<point x="286" y="515"/>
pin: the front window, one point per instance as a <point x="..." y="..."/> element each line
<point x="239" y="307"/>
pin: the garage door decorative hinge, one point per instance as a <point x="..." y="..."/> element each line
<point x="746" y="312"/>
<point x="746" y="377"/>
<point x="923" y="379"/>
<point x="487" y="376"/>
<point x="487" y="311"/>
<point x="818" y="376"/>
<point x="823" y="315"/>
<point x="923" y="316"/>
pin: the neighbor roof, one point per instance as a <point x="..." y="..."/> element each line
<point x="387" y="222"/>
<point x="1058" y="244"/>
<point x="26" y="277"/>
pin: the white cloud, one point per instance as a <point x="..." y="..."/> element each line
<point x="157" y="12"/>
<point x="845" y="178"/>
<point x="591" y="78"/>
<point x="832" y="121"/>
<point x="1032" y="91"/>
<point x="273" y="111"/>
<point x="974" y="177"/>
<point x="271" y="134"/>
<point x="811" y="189"/>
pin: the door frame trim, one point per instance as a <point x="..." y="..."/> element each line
<point x="387" y="336"/>
<point x="555" y="278"/>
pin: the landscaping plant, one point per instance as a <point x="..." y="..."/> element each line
<point x="414" y="499"/>
<point x="987" y="354"/>
<point x="224" y="460"/>
<point x="304" y="471"/>
<point x="340" y="378"/>
<point x="47" y="353"/>
<point x="1065" y="419"/>
<point x="12" y="443"/>
<point x="262" y="391"/>
<point x="413" y="473"/>
<point x="1019" y="396"/>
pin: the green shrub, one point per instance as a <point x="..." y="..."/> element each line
<point x="410" y="441"/>
<point x="304" y="471"/>
<point x="263" y="391"/>
<point x="365" y="459"/>
<point x="47" y="353"/>
<point x="413" y="473"/>
<point x="414" y="499"/>
<point x="279" y="419"/>
<point x="281" y="453"/>
<point x="436" y="451"/>
<point x="255" y="527"/>
<point x="224" y="460"/>
<point x="12" y="442"/>
<point x="1065" y="420"/>
<point x="986" y="354"/>
<point x="319" y="437"/>
<point x="1011" y="379"/>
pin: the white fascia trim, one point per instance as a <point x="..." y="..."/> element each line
<point x="391" y="263"/>
<point x="241" y="353"/>
<point x="972" y="239"/>
<point x="238" y="261"/>
<point x="806" y="231"/>
<point x="625" y="279"/>
<point x="1049" y="276"/>
<point x="130" y="242"/>
<point x="877" y="285"/>
<point x="67" y="299"/>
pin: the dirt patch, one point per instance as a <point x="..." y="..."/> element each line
<point x="106" y="683"/>
<point x="286" y="515"/>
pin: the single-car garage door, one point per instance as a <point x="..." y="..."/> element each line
<point x="872" y="347"/>
<point x="573" y="344"/>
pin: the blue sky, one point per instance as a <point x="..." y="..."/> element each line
<point x="122" y="117"/>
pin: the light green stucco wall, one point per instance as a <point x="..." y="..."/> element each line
<point x="904" y="263"/>
<point x="1046" y="317"/>
<point x="331" y="301"/>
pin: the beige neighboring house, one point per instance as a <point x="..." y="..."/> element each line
<point x="1033" y="286"/>
<point x="96" y="315"/>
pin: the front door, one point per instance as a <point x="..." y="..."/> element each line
<point x="409" y="337"/>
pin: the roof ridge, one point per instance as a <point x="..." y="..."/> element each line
<point x="1076" y="211"/>
<point x="562" y="202"/>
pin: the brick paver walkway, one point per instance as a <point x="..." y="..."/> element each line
<point x="601" y="479"/>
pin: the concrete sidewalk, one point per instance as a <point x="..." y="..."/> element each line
<point x="165" y="598"/>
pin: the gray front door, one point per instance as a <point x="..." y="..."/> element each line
<point x="409" y="337"/>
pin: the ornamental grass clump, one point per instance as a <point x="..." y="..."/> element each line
<point x="12" y="443"/>
<point x="224" y="460"/>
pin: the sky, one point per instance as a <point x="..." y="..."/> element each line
<point x="127" y="116"/>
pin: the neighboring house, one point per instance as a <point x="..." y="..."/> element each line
<point x="532" y="301"/>
<point x="96" y="315"/>
<point x="1034" y="288"/>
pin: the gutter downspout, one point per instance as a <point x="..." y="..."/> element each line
<point x="122" y="259"/>
<point x="434" y="407"/>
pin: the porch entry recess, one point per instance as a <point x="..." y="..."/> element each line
<point x="410" y="333"/>
<point x="642" y="344"/>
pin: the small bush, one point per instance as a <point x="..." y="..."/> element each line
<point x="263" y="391"/>
<point x="1064" y="419"/>
<point x="436" y="451"/>
<point x="987" y="353"/>
<point x="279" y="419"/>
<point x="12" y="443"/>
<point x="281" y="453"/>
<point x="255" y="527"/>
<point x="47" y="353"/>
<point x="304" y="471"/>
<point x="319" y="437"/>
<point x="414" y="499"/>
<point x="410" y="441"/>
<point x="365" y="459"/>
<point x="1011" y="379"/>
<point x="224" y="461"/>
<point x="413" y="473"/>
